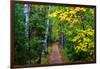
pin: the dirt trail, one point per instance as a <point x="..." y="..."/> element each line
<point x="55" y="56"/>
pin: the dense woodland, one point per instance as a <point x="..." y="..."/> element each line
<point x="73" y="27"/>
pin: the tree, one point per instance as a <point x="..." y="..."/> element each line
<point x="77" y="23"/>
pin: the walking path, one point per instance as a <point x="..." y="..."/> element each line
<point x="55" y="56"/>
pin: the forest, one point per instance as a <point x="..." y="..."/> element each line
<point x="53" y="34"/>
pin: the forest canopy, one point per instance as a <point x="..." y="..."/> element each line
<point x="72" y="27"/>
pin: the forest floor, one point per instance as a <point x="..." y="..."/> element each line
<point x="55" y="55"/>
